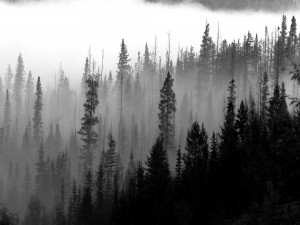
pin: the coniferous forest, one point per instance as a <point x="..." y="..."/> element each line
<point x="208" y="137"/>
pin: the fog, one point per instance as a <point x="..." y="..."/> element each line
<point x="41" y="150"/>
<point x="50" y="32"/>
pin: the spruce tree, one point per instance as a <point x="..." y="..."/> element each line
<point x="157" y="171"/>
<point x="292" y="40"/>
<point x="99" y="199"/>
<point x="27" y="184"/>
<point x="85" y="76"/>
<point x="110" y="163"/>
<point x="29" y="92"/>
<point x="123" y="72"/>
<point x="179" y="166"/>
<point x="86" y="216"/>
<point x="167" y="109"/>
<point x="214" y="154"/>
<point x="58" y="143"/>
<point x="1" y="92"/>
<point x="8" y="79"/>
<point x="18" y="87"/>
<point x="41" y="178"/>
<point x="264" y="98"/>
<point x="7" y="113"/>
<point x="37" y="119"/>
<point x="241" y="123"/>
<point x="88" y="122"/>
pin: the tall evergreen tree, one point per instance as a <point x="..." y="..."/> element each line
<point x="110" y="163"/>
<point x="86" y="216"/>
<point x="88" y="122"/>
<point x="157" y="171"/>
<point x="123" y="72"/>
<point x="18" y="87"/>
<point x="41" y="178"/>
<point x="7" y="112"/>
<point x="167" y="109"/>
<point x="58" y="143"/>
<point x="37" y="119"/>
<point x="8" y="79"/>
<point x="29" y="91"/>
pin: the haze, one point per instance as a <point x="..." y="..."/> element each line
<point x="51" y="32"/>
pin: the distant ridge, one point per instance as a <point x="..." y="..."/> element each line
<point x="268" y="5"/>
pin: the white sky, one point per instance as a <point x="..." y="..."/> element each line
<point x="51" y="32"/>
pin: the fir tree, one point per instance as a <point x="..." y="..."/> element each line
<point x="123" y="71"/>
<point x="7" y="113"/>
<point x="167" y="109"/>
<point x="29" y="91"/>
<point x="157" y="171"/>
<point x="110" y="163"/>
<point x="34" y="212"/>
<point x="85" y="76"/>
<point x="179" y="166"/>
<point x="41" y="178"/>
<point x="73" y="207"/>
<point x="37" y="119"/>
<point x="27" y="184"/>
<point x="57" y="139"/>
<point x="86" y="216"/>
<point x="264" y="98"/>
<point x="18" y="87"/>
<point x="88" y="122"/>
<point x="99" y="199"/>
<point x="8" y="79"/>
<point x="242" y="123"/>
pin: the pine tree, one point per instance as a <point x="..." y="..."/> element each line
<point x="29" y="92"/>
<point x="196" y="157"/>
<point x="88" y="122"/>
<point x="130" y="175"/>
<point x="110" y="163"/>
<point x="123" y="72"/>
<point x="229" y="154"/>
<point x="86" y="216"/>
<point x="241" y="123"/>
<point x="179" y="166"/>
<point x="41" y="178"/>
<point x="34" y="212"/>
<point x="50" y="142"/>
<point x="292" y="40"/>
<point x="264" y="98"/>
<point x="205" y="56"/>
<point x="228" y="135"/>
<point x="18" y="87"/>
<point x="147" y="63"/>
<point x="99" y="200"/>
<point x="7" y="113"/>
<point x="273" y="112"/>
<point x="58" y="143"/>
<point x="8" y="78"/>
<point x="27" y="184"/>
<point x="73" y="207"/>
<point x="1" y="92"/>
<point x="167" y="109"/>
<point x="157" y="171"/>
<point x="85" y="76"/>
<point x="214" y="154"/>
<point x="37" y="119"/>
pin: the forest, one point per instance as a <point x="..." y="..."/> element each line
<point x="212" y="137"/>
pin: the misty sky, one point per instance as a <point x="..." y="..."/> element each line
<point x="51" y="32"/>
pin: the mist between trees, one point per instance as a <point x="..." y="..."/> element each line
<point x="208" y="138"/>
